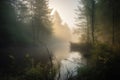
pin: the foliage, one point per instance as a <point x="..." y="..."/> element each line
<point x="103" y="59"/>
<point x="103" y="22"/>
<point x="102" y="64"/>
<point x="22" y="40"/>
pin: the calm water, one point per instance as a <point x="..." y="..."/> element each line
<point x="69" y="65"/>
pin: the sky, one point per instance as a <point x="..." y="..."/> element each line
<point x="66" y="9"/>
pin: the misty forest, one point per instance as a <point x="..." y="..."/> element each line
<point x="39" y="40"/>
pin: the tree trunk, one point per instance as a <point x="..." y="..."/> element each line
<point x="93" y="20"/>
<point x="113" y="27"/>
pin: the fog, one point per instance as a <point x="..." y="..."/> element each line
<point x="59" y="44"/>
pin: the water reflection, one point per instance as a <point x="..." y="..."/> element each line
<point x="69" y="65"/>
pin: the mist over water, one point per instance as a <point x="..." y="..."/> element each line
<point x="60" y="42"/>
<point x="60" y="46"/>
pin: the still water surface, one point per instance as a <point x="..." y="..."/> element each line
<point x="69" y="65"/>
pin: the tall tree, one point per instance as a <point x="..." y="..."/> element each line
<point x="15" y="21"/>
<point x="93" y="19"/>
<point x="41" y="18"/>
<point x="37" y="14"/>
<point x="111" y="20"/>
<point x="88" y="11"/>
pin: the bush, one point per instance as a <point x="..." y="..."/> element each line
<point x="103" y="64"/>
